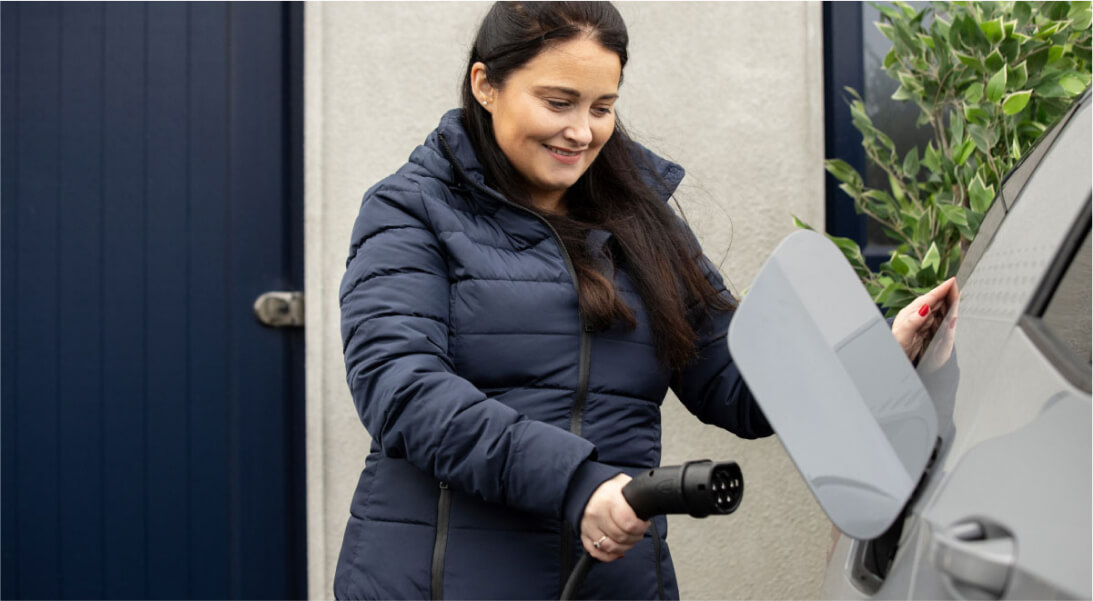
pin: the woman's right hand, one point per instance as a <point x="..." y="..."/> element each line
<point x="610" y="521"/>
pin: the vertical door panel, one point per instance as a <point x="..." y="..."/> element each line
<point x="207" y="283"/>
<point x="79" y="288"/>
<point x="123" y="352"/>
<point x="36" y="333"/>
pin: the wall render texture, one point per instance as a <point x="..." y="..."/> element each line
<point x="732" y="91"/>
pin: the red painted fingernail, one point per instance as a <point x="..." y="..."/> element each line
<point x="924" y="310"/>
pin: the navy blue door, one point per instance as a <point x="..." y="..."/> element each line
<point x="151" y="185"/>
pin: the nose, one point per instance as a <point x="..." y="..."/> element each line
<point x="579" y="131"/>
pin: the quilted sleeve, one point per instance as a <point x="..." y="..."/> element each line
<point x="711" y="387"/>
<point x="394" y="302"/>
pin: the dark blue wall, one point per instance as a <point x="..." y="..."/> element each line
<point x="151" y="185"/>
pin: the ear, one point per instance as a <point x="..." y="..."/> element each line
<point x="480" y="86"/>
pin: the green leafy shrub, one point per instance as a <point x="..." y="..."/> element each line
<point x="988" y="78"/>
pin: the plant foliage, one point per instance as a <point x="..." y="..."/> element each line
<point x="988" y="78"/>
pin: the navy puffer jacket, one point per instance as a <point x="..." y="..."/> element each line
<point x="493" y="414"/>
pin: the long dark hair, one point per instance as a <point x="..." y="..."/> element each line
<point x="659" y="253"/>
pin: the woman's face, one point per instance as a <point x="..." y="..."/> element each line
<point x="552" y="116"/>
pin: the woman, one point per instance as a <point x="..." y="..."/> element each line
<point x="518" y="299"/>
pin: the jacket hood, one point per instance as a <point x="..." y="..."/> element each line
<point x="448" y="155"/>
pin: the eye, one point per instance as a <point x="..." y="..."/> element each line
<point x="601" y="111"/>
<point x="558" y="104"/>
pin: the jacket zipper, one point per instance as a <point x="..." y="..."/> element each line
<point x="576" y="416"/>
<point x="443" y="511"/>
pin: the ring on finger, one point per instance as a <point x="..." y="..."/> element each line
<point x="599" y="542"/>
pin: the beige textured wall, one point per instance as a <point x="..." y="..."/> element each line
<point x="732" y="91"/>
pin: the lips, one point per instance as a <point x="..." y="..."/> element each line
<point x="569" y="157"/>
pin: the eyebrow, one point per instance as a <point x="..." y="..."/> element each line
<point x="571" y="92"/>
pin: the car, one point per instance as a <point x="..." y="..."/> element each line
<point x="968" y="475"/>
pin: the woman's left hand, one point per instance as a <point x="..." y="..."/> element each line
<point x="916" y="323"/>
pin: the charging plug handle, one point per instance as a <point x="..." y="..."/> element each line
<point x="697" y="488"/>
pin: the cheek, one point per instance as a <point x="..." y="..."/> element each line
<point x="602" y="132"/>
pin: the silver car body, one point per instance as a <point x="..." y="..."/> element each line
<point x="1003" y="508"/>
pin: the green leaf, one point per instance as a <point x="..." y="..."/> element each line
<point x="1037" y="57"/>
<point x="903" y="264"/>
<point x="1031" y="129"/>
<point x="851" y="251"/>
<point x="886" y="10"/>
<point x="850" y="190"/>
<point x="970" y="35"/>
<point x="801" y="224"/>
<point x="952" y="260"/>
<point x="970" y="61"/>
<point x="910" y="164"/>
<point x="1014" y="103"/>
<point x="882" y="296"/>
<point x="932" y="158"/>
<point x="1054" y="53"/>
<point x="881" y="204"/>
<point x="890" y="58"/>
<point x="888" y="143"/>
<point x="842" y="171"/>
<point x="965" y="151"/>
<point x="1023" y="12"/>
<point x="922" y="228"/>
<point x="956" y="127"/>
<point x="1015" y="148"/>
<point x="909" y="81"/>
<point x="981" y="137"/>
<point x="993" y="30"/>
<point x="1010" y="49"/>
<point x="897" y="188"/>
<point x="1017" y="76"/>
<point x="1047" y="32"/>
<point x="887" y="30"/>
<point x="902" y="93"/>
<point x="1085" y="53"/>
<point x="994" y="60"/>
<point x="1072" y="84"/>
<point x="953" y="214"/>
<point x="1050" y="88"/>
<point x="926" y="277"/>
<point x="974" y="93"/>
<point x="1056" y="10"/>
<point x="976" y="115"/>
<point x="908" y="11"/>
<point x="1080" y="20"/>
<point x="997" y="85"/>
<point x="932" y="258"/>
<point x="980" y="196"/>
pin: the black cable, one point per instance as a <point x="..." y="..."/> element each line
<point x="576" y="577"/>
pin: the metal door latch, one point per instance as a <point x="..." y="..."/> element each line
<point x="280" y="309"/>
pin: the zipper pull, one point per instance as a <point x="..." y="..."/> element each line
<point x="443" y="485"/>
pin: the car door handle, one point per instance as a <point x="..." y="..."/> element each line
<point x="974" y="555"/>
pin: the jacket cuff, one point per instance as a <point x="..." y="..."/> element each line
<point x="588" y="477"/>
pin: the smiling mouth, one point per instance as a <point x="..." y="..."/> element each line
<point x="561" y="152"/>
